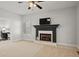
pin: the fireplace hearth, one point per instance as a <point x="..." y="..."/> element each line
<point x="47" y="28"/>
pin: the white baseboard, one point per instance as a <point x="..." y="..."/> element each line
<point x="50" y="43"/>
<point x="69" y="45"/>
<point x="55" y="44"/>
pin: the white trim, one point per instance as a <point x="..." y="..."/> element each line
<point x="51" y="43"/>
<point x="54" y="44"/>
<point x="68" y="45"/>
<point x="61" y="45"/>
<point x="48" y="32"/>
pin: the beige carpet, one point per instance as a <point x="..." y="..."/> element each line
<point x="31" y="49"/>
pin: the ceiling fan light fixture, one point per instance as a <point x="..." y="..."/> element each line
<point x="31" y="4"/>
<point x="34" y="5"/>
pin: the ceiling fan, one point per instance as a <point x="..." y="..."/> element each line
<point x="33" y="4"/>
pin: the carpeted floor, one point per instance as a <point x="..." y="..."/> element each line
<point x="31" y="49"/>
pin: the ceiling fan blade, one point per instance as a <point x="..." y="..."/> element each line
<point x="38" y="6"/>
<point x="29" y="7"/>
<point x="40" y="1"/>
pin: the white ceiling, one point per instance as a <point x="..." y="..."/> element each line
<point x="22" y="9"/>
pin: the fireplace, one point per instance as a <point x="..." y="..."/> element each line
<point x="49" y="29"/>
<point x="45" y="37"/>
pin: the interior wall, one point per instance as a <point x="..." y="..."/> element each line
<point x="78" y="26"/>
<point x="13" y="22"/>
<point x="66" y="32"/>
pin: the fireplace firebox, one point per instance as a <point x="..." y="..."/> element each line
<point x="45" y="37"/>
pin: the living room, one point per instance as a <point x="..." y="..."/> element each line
<point x="24" y="27"/>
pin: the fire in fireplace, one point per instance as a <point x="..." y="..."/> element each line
<point x="45" y="37"/>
